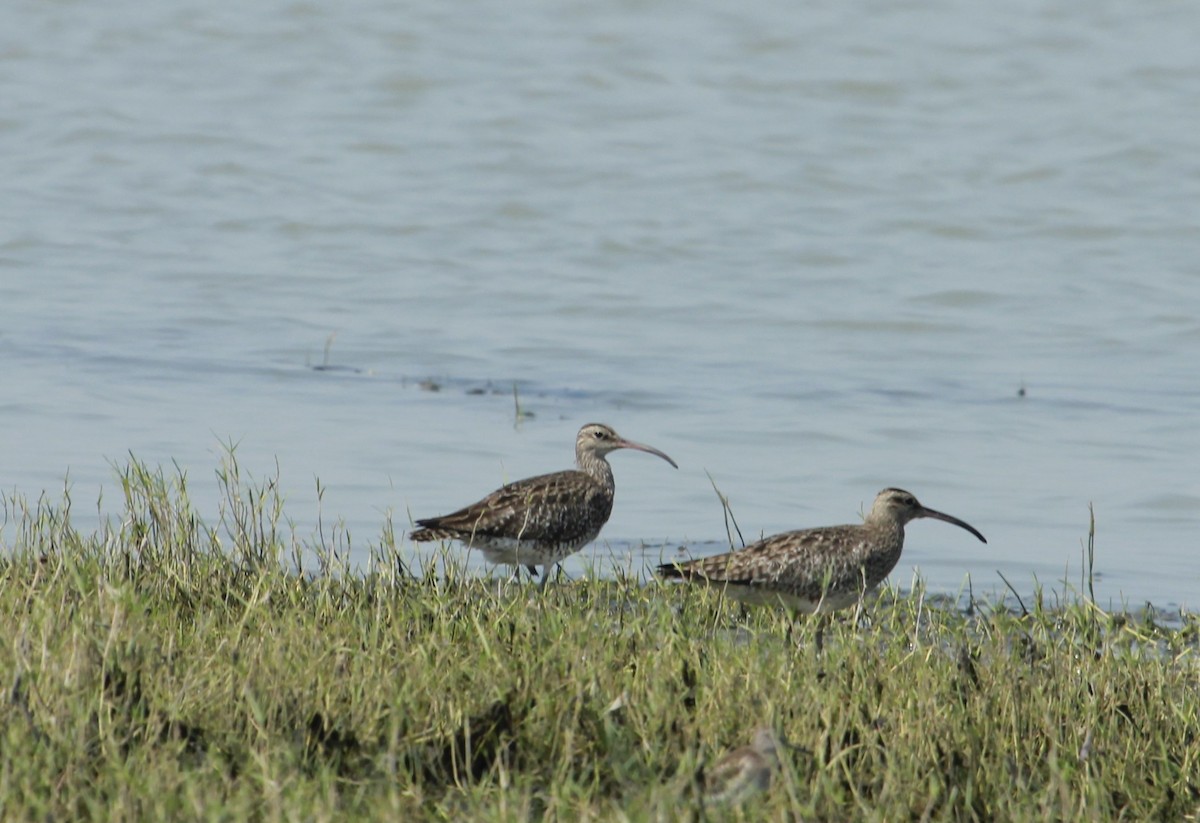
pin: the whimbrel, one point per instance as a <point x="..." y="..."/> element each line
<point x="541" y="520"/>
<point x="745" y="770"/>
<point x="816" y="570"/>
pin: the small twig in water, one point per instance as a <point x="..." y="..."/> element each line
<point x="521" y="414"/>
<point x="328" y="346"/>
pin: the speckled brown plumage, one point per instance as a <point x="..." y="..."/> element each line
<point x="816" y="570"/>
<point x="541" y="520"/>
<point x="744" y="771"/>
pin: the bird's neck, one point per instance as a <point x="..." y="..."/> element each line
<point x="596" y="467"/>
<point x="886" y="528"/>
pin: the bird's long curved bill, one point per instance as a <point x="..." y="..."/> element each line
<point x="642" y="447"/>
<point x="962" y="524"/>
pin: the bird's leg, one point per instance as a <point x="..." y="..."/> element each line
<point x="860" y="611"/>
<point x="823" y="621"/>
<point x="793" y="627"/>
<point x="545" y="577"/>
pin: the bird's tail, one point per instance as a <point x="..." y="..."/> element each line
<point x="672" y="571"/>
<point x="428" y="535"/>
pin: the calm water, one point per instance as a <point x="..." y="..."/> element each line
<point x="812" y="249"/>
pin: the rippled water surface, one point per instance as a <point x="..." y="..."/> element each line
<point x="810" y="249"/>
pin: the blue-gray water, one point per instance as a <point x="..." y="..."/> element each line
<point x="814" y="249"/>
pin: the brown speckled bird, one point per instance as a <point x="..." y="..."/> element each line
<point x="541" y="520"/>
<point x="744" y="771"/>
<point x="816" y="570"/>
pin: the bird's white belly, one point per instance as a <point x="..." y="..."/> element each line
<point x="512" y="552"/>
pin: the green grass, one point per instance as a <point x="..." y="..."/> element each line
<point x="167" y="668"/>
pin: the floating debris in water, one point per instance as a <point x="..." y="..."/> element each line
<point x="325" y="365"/>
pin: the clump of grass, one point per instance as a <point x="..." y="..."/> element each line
<point x="165" y="668"/>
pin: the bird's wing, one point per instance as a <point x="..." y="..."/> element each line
<point x="561" y="505"/>
<point x="822" y="557"/>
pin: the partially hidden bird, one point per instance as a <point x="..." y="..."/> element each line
<point x="745" y="771"/>
<point x="816" y="570"/>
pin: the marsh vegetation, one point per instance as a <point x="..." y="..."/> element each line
<point x="168" y="666"/>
